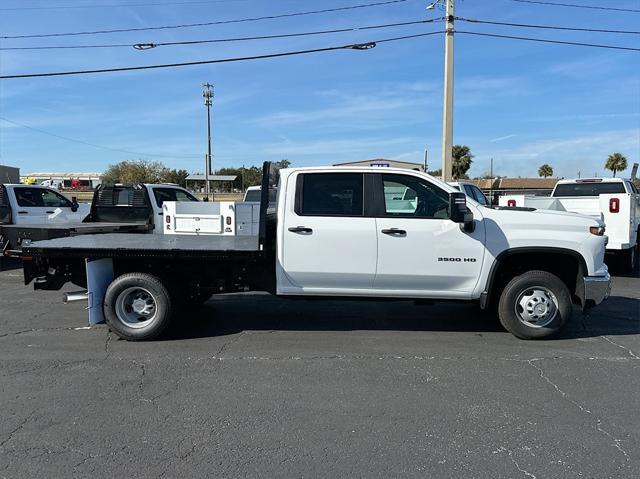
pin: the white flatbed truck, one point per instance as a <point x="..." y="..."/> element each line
<point x="336" y="234"/>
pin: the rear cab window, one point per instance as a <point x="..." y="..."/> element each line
<point x="330" y="194"/>
<point x="588" y="189"/>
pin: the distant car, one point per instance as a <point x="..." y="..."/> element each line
<point x="471" y="190"/>
<point x="253" y="194"/>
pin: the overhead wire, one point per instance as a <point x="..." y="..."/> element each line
<point x="75" y="140"/>
<point x="544" y="40"/>
<point x="147" y="46"/>
<point x="351" y="46"/>
<point x="547" y="27"/>
<point x="573" y="5"/>
<point x="205" y="24"/>
<point x="111" y="5"/>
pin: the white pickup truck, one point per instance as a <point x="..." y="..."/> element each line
<point x="345" y="232"/>
<point x="32" y="204"/>
<point x="614" y="200"/>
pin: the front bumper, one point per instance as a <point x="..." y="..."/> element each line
<point x="596" y="289"/>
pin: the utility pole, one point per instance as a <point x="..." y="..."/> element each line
<point x="447" y="113"/>
<point x="426" y="159"/>
<point x="207" y="94"/>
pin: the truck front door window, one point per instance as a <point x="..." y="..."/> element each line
<point x="410" y="197"/>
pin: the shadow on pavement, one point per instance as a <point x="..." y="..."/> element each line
<point x="263" y="313"/>
<point x="7" y="264"/>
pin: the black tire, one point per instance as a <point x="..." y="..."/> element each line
<point x="535" y="289"/>
<point x="628" y="260"/>
<point x="152" y="306"/>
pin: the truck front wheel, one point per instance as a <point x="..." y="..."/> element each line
<point x="137" y="306"/>
<point x="535" y="305"/>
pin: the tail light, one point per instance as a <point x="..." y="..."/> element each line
<point x="228" y="220"/>
<point x="511" y="203"/>
<point x="614" y="205"/>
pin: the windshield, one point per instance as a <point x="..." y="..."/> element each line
<point x="588" y="189"/>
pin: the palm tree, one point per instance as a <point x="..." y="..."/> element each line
<point x="545" y="170"/>
<point x="462" y="159"/>
<point x="616" y="162"/>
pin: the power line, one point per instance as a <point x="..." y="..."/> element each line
<point x="109" y="5"/>
<point x="544" y="40"/>
<point x="573" y="5"/>
<point x="205" y="24"/>
<point x="548" y="27"/>
<point x="352" y="46"/>
<point x="82" y="142"/>
<point x="147" y="46"/>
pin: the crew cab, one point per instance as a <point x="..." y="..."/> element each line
<point x="614" y="200"/>
<point x="33" y="204"/>
<point x="345" y="232"/>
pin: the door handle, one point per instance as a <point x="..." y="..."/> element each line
<point x="394" y="232"/>
<point x="23" y="212"/>
<point x="300" y="229"/>
<point x="49" y="212"/>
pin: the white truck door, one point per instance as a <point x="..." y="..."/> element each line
<point x="328" y="245"/>
<point x="421" y="252"/>
<point x="29" y="207"/>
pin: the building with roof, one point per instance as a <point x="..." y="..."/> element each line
<point x="384" y="163"/>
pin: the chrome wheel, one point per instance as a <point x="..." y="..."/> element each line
<point x="136" y="307"/>
<point x="536" y="307"/>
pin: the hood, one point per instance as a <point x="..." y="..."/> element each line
<point x="539" y="216"/>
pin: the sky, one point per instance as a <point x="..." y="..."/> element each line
<point x="521" y="103"/>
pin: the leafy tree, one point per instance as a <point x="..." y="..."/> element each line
<point x="616" y="162"/>
<point x="284" y="163"/>
<point x="179" y="177"/>
<point x="436" y="173"/>
<point x="135" y="171"/>
<point x="246" y="177"/>
<point x="462" y="159"/>
<point x="545" y="170"/>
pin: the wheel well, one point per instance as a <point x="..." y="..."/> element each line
<point x="569" y="267"/>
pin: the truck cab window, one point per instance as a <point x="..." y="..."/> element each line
<point x="330" y="194"/>
<point x="412" y="197"/>
<point x="40" y="197"/>
<point x="171" y="194"/>
<point x="478" y="195"/>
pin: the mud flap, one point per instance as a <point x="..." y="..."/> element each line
<point x="99" y="277"/>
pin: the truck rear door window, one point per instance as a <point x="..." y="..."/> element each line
<point x="330" y="194"/>
<point x="588" y="189"/>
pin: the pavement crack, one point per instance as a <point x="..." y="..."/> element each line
<point x="224" y="347"/>
<point x="515" y="463"/>
<point x="107" y="343"/>
<point x="617" y="443"/>
<point x="16" y="429"/>
<point x="629" y="351"/>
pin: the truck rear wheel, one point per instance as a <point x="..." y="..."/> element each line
<point x="535" y="305"/>
<point x="137" y="306"/>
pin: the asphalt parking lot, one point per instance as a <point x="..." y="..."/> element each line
<point x="254" y="386"/>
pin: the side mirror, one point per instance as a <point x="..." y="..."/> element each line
<point x="74" y="204"/>
<point x="459" y="212"/>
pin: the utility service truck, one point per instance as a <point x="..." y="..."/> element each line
<point x="32" y="212"/>
<point x="616" y="201"/>
<point x="339" y="232"/>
